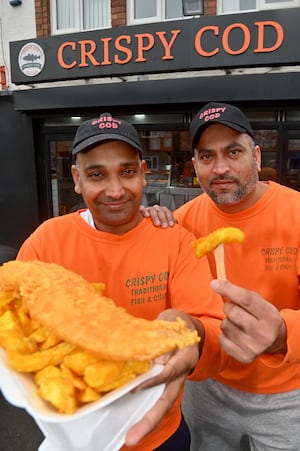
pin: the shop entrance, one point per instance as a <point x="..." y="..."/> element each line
<point x="64" y="198"/>
<point x="55" y="184"/>
<point x="292" y="163"/>
<point x="170" y="175"/>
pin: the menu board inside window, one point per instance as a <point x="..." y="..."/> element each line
<point x="169" y="158"/>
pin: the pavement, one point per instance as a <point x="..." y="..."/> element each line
<point x="18" y="431"/>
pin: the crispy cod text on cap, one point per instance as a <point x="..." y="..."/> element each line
<point x="105" y="128"/>
<point x="219" y="113"/>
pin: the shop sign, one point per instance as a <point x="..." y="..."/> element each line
<point x="264" y="38"/>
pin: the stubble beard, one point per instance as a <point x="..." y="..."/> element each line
<point x="242" y="190"/>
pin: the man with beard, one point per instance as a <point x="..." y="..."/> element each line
<point x="258" y="396"/>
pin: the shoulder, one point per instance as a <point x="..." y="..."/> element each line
<point x="283" y="190"/>
<point x="57" y="222"/>
<point x="192" y="207"/>
<point x="176" y="234"/>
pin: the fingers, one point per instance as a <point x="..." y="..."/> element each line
<point x="250" y="301"/>
<point x="144" y="211"/>
<point x="239" y="316"/>
<point x="165" y="216"/>
<point x="154" y="415"/>
<point x="176" y="366"/>
<point x="161" y="216"/>
<point x="236" y="343"/>
<point x="252" y="325"/>
<point x="247" y="346"/>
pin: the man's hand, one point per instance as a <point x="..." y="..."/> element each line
<point x="161" y="216"/>
<point x="252" y="325"/>
<point x="176" y="367"/>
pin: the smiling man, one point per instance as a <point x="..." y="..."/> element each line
<point x="151" y="272"/>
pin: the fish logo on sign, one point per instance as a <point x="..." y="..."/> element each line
<point x="31" y="59"/>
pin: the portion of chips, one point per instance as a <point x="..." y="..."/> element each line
<point x="66" y="375"/>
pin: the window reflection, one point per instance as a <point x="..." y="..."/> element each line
<point x="268" y="141"/>
<point x="293" y="164"/>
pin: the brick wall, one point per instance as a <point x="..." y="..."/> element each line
<point x="210" y="7"/>
<point x="118" y="13"/>
<point x="42" y="17"/>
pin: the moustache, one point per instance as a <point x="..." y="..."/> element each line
<point x="223" y="178"/>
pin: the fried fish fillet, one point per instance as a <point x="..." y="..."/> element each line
<point x="70" y="306"/>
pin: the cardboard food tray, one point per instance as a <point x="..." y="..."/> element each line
<point x="99" y="425"/>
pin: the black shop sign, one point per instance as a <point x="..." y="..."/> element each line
<point x="265" y="38"/>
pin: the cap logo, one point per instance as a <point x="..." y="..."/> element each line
<point x="211" y="113"/>
<point x="107" y="122"/>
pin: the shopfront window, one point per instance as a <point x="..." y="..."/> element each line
<point x="145" y="11"/>
<point x="293" y="163"/>
<point x="268" y="141"/>
<point x="165" y="138"/>
<point x="171" y="179"/>
<point x="64" y="198"/>
<point x="68" y="16"/>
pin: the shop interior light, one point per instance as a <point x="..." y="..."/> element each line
<point x="139" y="117"/>
<point x="192" y="7"/>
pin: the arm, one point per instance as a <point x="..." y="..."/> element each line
<point x="252" y="326"/>
<point x="177" y="367"/>
<point x="160" y="216"/>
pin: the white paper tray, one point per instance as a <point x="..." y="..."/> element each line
<point x="99" y="425"/>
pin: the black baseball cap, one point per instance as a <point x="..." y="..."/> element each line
<point x="105" y="128"/>
<point x="219" y="113"/>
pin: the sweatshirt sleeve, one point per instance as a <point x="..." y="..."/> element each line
<point x="292" y="320"/>
<point x="213" y="359"/>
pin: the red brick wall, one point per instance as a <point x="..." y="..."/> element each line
<point x="210" y="7"/>
<point x="118" y="13"/>
<point x="42" y="17"/>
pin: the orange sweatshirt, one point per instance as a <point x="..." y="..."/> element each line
<point x="145" y="271"/>
<point x="268" y="262"/>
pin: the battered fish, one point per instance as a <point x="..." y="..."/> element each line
<point x="70" y="306"/>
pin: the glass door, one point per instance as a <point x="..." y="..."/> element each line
<point x="64" y="198"/>
<point x="55" y="184"/>
<point x="268" y="140"/>
<point x="293" y="160"/>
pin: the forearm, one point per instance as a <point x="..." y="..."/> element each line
<point x="198" y="326"/>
